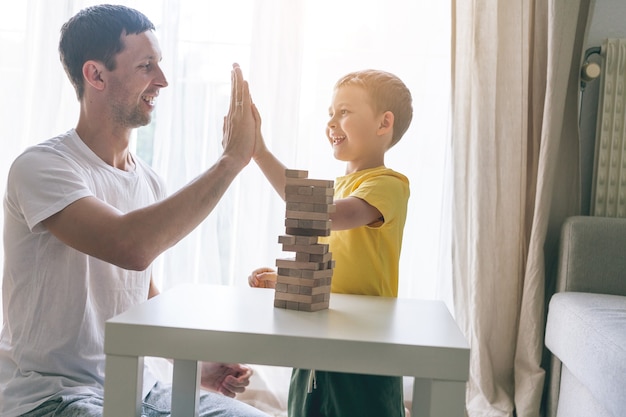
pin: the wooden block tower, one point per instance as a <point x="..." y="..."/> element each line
<point x="303" y="281"/>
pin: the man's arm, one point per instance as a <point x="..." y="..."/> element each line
<point x="133" y="240"/>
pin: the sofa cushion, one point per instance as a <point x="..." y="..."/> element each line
<point x="587" y="332"/>
<point x="575" y="400"/>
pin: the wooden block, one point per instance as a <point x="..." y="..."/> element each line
<point x="310" y="182"/>
<point x="293" y="297"/>
<point x="307" y="224"/>
<point x="306" y="290"/>
<point x="315" y="248"/>
<point x="301" y="224"/>
<point x="323" y="191"/>
<point x="293" y="289"/>
<point x="296" y="190"/>
<point x="293" y="264"/>
<point x="307" y="232"/>
<point x="312" y="257"/>
<point x="300" y="206"/>
<point x="287" y="240"/>
<point x="289" y="272"/>
<point x="292" y="305"/>
<point x="313" y="307"/>
<point x="301" y="190"/>
<point x="295" y="173"/>
<point x="322" y="224"/>
<point x="304" y="273"/>
<point x="301" y="298"/>
<point x="312" y="207"/>
<point x="307" y="307"/>
<point x="302" y="282"/>
<point x="293" y="190"/>
<point x="320" y="273"/>
<point x="322" y="258"/>
<point x="292" y="243"/>
<point x="314" y="199"/>
<point x="306" y="215"/>
<point x="303" y="257"/>
<point x="306" y="240"/>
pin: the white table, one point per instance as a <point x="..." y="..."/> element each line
<point x="358" y="334"/>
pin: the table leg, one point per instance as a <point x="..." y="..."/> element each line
<point x="123" y="385"/>
<point x="436" y="398"/>
<point x="185" y="388"/>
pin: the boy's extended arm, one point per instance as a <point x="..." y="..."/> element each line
<point x="351" y="212"/>
<point x="272" y="168"/>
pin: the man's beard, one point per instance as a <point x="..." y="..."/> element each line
<point x="135" y="118"/>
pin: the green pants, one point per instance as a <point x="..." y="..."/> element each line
<point x="345" y="395"/>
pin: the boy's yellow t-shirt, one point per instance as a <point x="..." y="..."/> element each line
<point x="367" y="258"/>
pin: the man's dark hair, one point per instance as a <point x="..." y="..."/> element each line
<point x="95" y="33"/>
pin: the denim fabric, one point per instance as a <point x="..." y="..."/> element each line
<point x="156" y="404"/>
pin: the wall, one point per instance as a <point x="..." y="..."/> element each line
<point x="607" y="20"/>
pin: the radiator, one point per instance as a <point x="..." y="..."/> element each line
<point x="608" y="197"/>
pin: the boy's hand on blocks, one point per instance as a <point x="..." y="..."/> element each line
<point x="262" y="278"/>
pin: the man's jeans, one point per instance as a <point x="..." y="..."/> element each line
<point x="156" y="404"/>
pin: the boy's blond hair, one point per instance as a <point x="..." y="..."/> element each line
<point x="387" y="93"/>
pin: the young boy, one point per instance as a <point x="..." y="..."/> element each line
<point x="369" y="113"/>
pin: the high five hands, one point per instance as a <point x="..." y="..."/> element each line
<point x="240" y="124"/>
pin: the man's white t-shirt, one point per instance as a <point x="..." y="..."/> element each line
<point x="55" y="298"/>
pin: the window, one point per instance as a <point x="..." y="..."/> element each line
<point x="292" y="52"/>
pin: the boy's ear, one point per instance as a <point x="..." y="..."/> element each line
<point x="92" y="73"/>
<point x="386" y="123"/>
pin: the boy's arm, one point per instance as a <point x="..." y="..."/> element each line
<point x="353" y="212"/>
<point x="272" y="168"/>
<point x="350" y="212"/>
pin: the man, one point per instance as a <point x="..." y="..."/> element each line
<point x="84" y="219"/>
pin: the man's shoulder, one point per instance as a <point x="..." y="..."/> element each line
<point x="54" y="145"/>
<point x="43" y="154"/>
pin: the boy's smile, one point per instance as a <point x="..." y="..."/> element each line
<point x="353" y="129"/>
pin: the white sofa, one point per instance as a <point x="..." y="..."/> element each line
<point x="586" y="324"/>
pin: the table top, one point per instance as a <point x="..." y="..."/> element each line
<point x="377" y="335"/>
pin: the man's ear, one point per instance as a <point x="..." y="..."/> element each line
<point x="386" y="123"/>
<point x="92" y="73"/>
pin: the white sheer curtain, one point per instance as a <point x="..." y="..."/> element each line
<point x="292" y="51"/>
